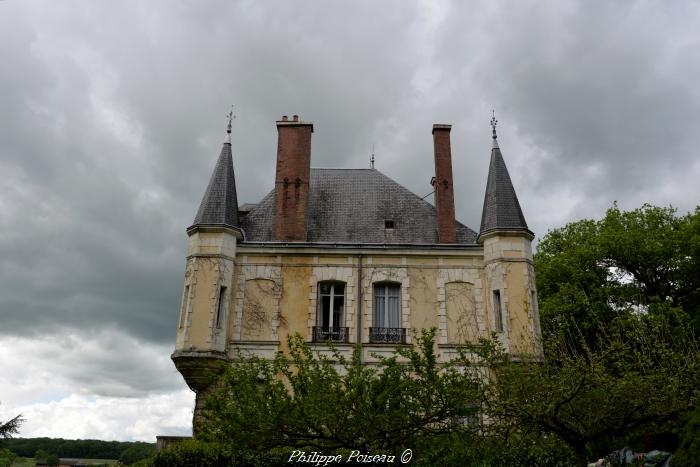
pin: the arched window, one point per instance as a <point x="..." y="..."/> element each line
<point x="386" y="316"/>
<point x="330" y="317"/>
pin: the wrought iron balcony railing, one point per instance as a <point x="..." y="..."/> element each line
<point x="387" y="335"/>
<point x="322" y="334"/>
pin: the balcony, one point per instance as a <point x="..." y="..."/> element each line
<point x="387" y="335"/>
<point x="321" y="334"/>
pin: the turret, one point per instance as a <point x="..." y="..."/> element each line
<point x="205" y="317"/>
<point x="510" y="292"/>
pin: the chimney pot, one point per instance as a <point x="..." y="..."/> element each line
<point x="285" y="118"/>
<point x="296" y="118"/>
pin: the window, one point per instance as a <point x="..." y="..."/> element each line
<point x="497" y="316"/>
<point x="185" y="306"/>
<point x="220" y="306"/>
<point x="330" y="320"/>
<point x="386" y="320"/>
<point x="533" y="302"/>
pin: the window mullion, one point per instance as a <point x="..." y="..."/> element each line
<point x="386" y="306"/>
<point x="331" y="309"/>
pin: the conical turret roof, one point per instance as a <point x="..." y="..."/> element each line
<point x="219" y="205"/>
<point x="501" y="207"/>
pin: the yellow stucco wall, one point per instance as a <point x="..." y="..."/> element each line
<point x="202" y="302"/>
<point x="258" y="305"/>
<point x="294" y="310"/>
<point x="273" y="293"/>
<point x="423" y="293"/>
<point x="461" y="313"/>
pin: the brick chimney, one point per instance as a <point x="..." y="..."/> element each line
<point x="292" y="179"/>
<point x="444" y="192"/>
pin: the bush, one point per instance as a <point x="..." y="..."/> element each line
<point x="193" y="453"/>
<point x="135" y="453"/>
<point x="688" y="452"/>
<point x="514" y="450"/>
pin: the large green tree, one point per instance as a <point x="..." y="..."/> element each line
<point x="633" y="380"/>
<point x="620" y="311"/>
<point x="645" y="261"/>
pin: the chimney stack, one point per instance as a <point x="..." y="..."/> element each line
<point x="292" y="179"/>
<point x="444" y="192"/>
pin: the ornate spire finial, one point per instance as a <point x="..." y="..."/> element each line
<point x="494" y="122"/>
<point x="230" y="117"/>
<point x="371" y="159"/>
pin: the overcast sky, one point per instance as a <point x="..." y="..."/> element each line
<point x="112" y="115"/>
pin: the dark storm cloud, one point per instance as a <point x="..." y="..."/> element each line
<point x="113" y="115"/>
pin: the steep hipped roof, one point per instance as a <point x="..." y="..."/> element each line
<point x="352" y="206"/>
<point x="219" y="205"/>
<point x="501" y="207"/>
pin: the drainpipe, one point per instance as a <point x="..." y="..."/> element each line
<point x="359" y="303"/>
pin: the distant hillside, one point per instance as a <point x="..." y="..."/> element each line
<point x="127" y="452"/>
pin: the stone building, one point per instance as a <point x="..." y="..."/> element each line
<point x="351" y="256"/>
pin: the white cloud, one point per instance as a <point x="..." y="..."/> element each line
<point x="108" y="418"/>
<point x="106" y="385"/>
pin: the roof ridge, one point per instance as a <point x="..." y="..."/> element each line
<point x="341" y="168"/>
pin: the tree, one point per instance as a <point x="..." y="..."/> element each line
<point x="11" y="427"/>
<point x="688" y="452"/>
<point x="41" y="455"/>
<point x="7" y="457"/>
<point x="136" y="452"/>
<point x="647" y="260"/>
<point x="308" y="400"/>
<point x="631" y="379"/>
<point x="52" y="460"/>
<point x="611" y="292"/>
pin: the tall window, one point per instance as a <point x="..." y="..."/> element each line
<point x="386" y="305"/>
<point x="497" y="314"/>
<point x="220" y="306"/>
<point x="331" y="302"/>
<point x="184" y="308"/>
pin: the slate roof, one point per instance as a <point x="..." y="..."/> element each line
<point x="351" y="206"/>
<point x="219" y="205"/>
<point x="501" y="207"/>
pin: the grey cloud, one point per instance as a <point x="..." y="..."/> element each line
<point x="113" y="116"/>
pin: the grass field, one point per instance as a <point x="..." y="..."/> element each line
<point x="30" y="462"/>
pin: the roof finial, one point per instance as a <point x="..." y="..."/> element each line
<point x="228" y="127"/>
<point x="494" y="122"/>
<point x="371" y="159"/>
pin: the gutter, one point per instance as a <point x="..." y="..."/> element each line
<point x="359" y="303"/>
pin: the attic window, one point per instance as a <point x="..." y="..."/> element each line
<point x="388" y="224"/>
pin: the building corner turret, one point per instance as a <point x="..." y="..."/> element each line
<point x="205" y="319"/>
<point x="510" y="290"/>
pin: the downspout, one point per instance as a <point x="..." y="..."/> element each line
<point x="359" y="303"/>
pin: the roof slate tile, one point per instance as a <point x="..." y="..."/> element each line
<point x="352" y="206"/>
<point x="219" y="205"/>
